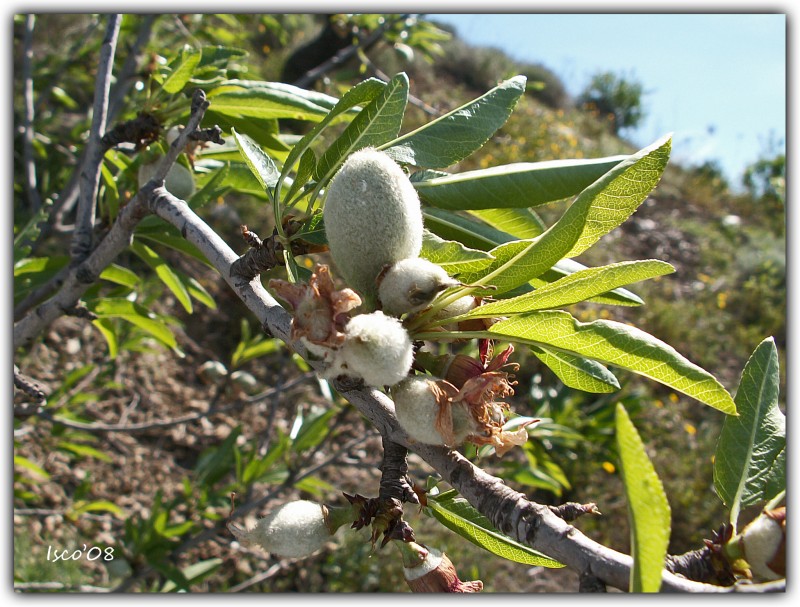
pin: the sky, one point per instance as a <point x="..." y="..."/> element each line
<point x="716" y="81"/>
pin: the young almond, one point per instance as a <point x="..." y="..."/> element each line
<point x="376" y="348"/>
<point x="372" y="219"/>
<point x="411" y="285"/>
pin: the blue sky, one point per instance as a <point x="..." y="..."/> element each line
<point x="716" y="81"/>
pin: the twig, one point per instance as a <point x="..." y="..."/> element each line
<point x="529" y="523"/>
<point x="31" y="188"/>
<point x="128" y="71"/>
<point x="346" y="53"/>
<point x="30" y="386"/>
<point x="166" y="423"/>
<point x="39" y="586"/>
<point x="69" y="194"/>
<point x="590" y="584"/>
<point x="81" y="277"/>
<point x="81" y="244"/>
<point x="572" y="510"/>
<point x="394" y="474"/>
<point x="257" y="579"/>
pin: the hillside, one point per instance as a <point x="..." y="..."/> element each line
<point x="139" y="450"/>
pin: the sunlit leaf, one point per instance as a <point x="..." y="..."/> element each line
<point x="750" y="459"/>
<point x="518" y="185"/>
<point x="459" y="516"/>
<point x="452" y="255"/>
<point x="262" y="166"/>
<point x="577" y="372"/>
<point x="378" y="122"/>
<point x="456" y="135"/>
<point x="616" y="344"/>
<point x="648" y="509"/>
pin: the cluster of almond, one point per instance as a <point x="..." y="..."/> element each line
<point x="374" y="227"/>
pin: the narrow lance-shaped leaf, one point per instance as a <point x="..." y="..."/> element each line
<point x="615" y="201"/>
<point x="242" y="98"/>
<point x="579" y="286"/>
<point x="459" y="516"/>
<point x="451" y="226"/>
<point x="457" y="134"/>
<point x="361" y="93"/>
<point x="182" y="71"/>
<point x="620" y="345"/>
<point x="749" y="463"/>
<point x="520" y="223"/>
<point x="577" y="372"/>
<point x="378" y="122"/>
<point x="518" y="185"/>
<point x="648" y="509"/>
<point x="164" y="272"/>
<point x="452" y="255"/>
<point x="111" y="307"/>
<point x="520" y="261"/>
<point x="261" y="165"/>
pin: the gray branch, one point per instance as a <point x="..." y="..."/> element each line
<point x="31" y="187"/>
<point x="81" y="244"/>
<point x="83" y="275"/>
<point x="532" y="524"/>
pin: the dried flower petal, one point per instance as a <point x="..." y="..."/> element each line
<point x="320" y="312"/>
<point x="428" y="570"/>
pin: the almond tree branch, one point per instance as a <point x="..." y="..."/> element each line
<point x="532" y="524"/>
<point x="83" y="275"/>
<point x="31" y="190"/>
<point x="346" y="53"/>
<point x="81" y="244"/>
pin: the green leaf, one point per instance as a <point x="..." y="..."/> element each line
<point x="36" y="265"/>
<point x="565" y="267"/>
<point x="648" y="509"/>
<point x="452" y="255"/>
<point x="83" y="450"/>
<point x="106" y="328"/>
<point x="459" y="516"/>
<point x="30" y="232"/>
<point x="457" y="134"/>
<point x="313" y="431"/>
<point x="361" y="93"/>
<point x="620" y="345"/>
<point x="194" y="574"/>
<point x="133" y="313"/>
<point x="212" y="189"/>
<point x="451" y="226"/>
<point x="620" y="192"/>
<point x="518" y="185"/>
<point x="578" y="286"/>
<point x="119" y="275"/>
<point x="82" y="507"/>
<point x="169" y="237"/>
<point x="379" y="121"/>
<point x="261" y="165"/>
<point x="519" y="223"/>
<point x="622" y="188"/>
<point x="164" y="272"/>
<point x="24" y="462"/>
<point x="242" y="98"/>
<point x="183" y="70"/>
<point x="749" y="463"/>
<point x="199" y="292"/>
<point x="577" y="372"/>
<point x="306" y="168"/>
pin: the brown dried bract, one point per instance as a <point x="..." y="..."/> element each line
<point x="320" y="312"/>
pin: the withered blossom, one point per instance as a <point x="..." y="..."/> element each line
<point x="320" y="311"/>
